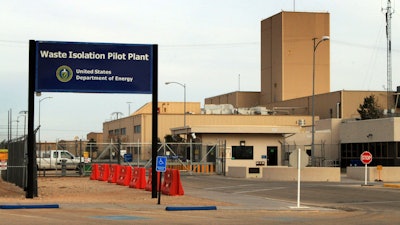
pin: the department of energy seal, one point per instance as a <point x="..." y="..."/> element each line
<point x="64" y="73"/>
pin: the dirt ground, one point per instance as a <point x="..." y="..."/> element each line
<point x="92" y="202"/>
<point x="83" y="190"/>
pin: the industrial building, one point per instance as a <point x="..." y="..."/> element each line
<point x="260" y="129"/>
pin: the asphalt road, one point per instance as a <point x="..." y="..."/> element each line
<point x="377" y="204"/>
<point x="252" y="201"/>
<point x="349" y="195"/>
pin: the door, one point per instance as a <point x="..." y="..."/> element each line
<point x="272" y="155"/>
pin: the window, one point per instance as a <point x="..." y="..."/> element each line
<point x="66" y="155"/>
<point x="384" y="152"/>
<point x="398" y="149"/>
<point x="391" y="150"/>
<point x="137" y="129"/>
<point x="123" y="131"/>
<point x="242" y="152"/>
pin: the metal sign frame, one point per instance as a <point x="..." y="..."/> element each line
<point x="93" y="67"/>
<point x="63" y="74"/>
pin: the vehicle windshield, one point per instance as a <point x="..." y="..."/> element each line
<point x="66" y="155"/>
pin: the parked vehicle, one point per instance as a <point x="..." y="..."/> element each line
<point x="53" y="159"/>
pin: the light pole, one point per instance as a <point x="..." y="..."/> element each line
<point x="24" y="114"/>
<point x="16" y="134"/>
<point x="18" y="123"/>
<point x="40" y="101"/>
<point x="129" y="108"/>
<point x="184" y="102"/>
<point x="324" y="38"/>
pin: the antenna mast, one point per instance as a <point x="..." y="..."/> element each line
<point x="388" y="13"/>
<point x="294" y="5"/>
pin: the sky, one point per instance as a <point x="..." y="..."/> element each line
<point x="213" y="47"/>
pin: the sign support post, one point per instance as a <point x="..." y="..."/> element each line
<point x="300" y="165"/>
<point x="366" y="175"/>
<point x="161" y="166"/>
<point x="154" y="122"/>
<point x="31" y="188"/>
<point x="366" y="158"/>
<point x="298" y="177"/>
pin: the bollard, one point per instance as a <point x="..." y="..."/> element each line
<point x="63" y="167"/>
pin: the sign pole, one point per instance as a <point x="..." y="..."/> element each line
<point x="161" y="166"/>
<point x="31" y="188"/>
<point x="154" y="129"/>
<point x="159" y="189"/>
<point x="298" y="178"/>
<point x="366" y="158"/>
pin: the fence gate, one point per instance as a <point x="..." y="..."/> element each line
<point x="220" y="158"/>
<point x="16" y="172"/>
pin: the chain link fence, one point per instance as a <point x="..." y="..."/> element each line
<point x="17" y="161"/>
<point x="324" y="155"/>
<point x="187" y="157"/>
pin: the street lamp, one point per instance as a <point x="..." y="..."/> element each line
<point x="184" y="99"/>
<point x="129" y="108"/>
<point x="184" y="102"/>
<point x="17" y="128"/>
<point x="18" y="123"/>
<point x="24" y="114"/>
<point x="40" y="101"/>
<point x="324" y="38"/>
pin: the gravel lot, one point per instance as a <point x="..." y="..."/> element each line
<point x="83" y="190"/>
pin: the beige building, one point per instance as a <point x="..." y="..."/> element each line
<point x="381" y="137"/>
<point x="137" y="127"/>
<point x="263" y="128"/>
<point x="287" y="56"/>
<point x="262" y="133"/>
<point x="339" y="104"/>
<point x="94" y="136"/>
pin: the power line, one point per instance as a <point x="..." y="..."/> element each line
<point x="231" y="44"/>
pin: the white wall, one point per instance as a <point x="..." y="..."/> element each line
<point x="258" y="141"/>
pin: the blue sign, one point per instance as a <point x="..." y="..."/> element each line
<point x="161" y="165"/>
<point x="93" y="67"/>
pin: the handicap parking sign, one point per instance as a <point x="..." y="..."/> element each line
<point x="161" y="165"/>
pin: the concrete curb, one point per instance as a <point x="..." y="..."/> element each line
<point x="392" y="185"/>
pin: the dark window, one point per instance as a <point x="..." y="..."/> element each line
<point x="137" y="129"/>
<point x="384" y="150"/>
<point x="358" y="150"/>
<point x="374" y="147"/>
<point x="391" y="150"/>
<point x="242" y="152"/>
<point x="343" y="150"/>
<point x="398" y="149"/>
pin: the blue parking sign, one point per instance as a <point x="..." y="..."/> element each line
<point x="161" y="165"/>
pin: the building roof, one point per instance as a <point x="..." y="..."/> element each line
<point x="227" y="129"/>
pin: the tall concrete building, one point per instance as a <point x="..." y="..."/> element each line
<point x="287" y="49"/>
